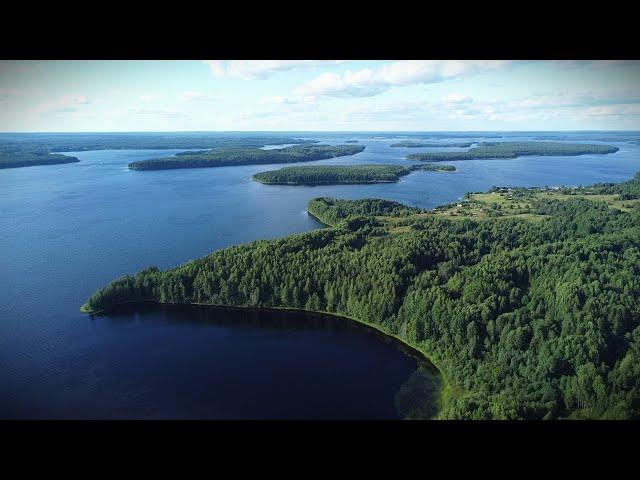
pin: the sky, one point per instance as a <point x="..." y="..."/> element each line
<point x="308" y="95"/>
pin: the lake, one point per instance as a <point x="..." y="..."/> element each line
<point x="66" y="230"/>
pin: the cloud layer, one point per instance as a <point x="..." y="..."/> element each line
<point x="370" y="82"/>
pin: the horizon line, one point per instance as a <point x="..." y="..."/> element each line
<point x="307" y="131"/>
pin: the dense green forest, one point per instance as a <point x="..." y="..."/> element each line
<point x="332" y="212"/>
<point x="434" y="168"/>
<point x="221" y="157"/>
<point x="341" y="174"/>
<point x="332" y="174"/>
<point x="23" y="150"/>
<point x="13" y="157"/>
<point x="411" y="144"/>
<point x="524" y="319"/>
<point x="513" y="150"/>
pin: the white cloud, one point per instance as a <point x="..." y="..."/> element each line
<point x="367" y="82"/>
<point x="612" y="110"/>
<point x="164" y="112"/>
<point x="192" y="96"/>
<point x="64" y="104"/>
<point x="148" y="97"/>
<point x="596" y="63"/>
<point x="601" y="106"/>
<point x="278" y="100"/>
<point x="216" y="67"/>
<point x="155" y="112"/>
<point x="457" y="98"/>
<point x="254" y="69"/>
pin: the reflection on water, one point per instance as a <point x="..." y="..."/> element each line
<point x="418" y="396"/>
<point x="183" y="361"/>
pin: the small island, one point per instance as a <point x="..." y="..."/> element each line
<point x="411" y="144"/>
<point x="351" y="141"/>
<point x="497" y="150"/>
<point x="221" y="157"/>
<point x="342" y="174"/>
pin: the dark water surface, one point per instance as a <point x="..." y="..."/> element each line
<point x="66" y="230"/>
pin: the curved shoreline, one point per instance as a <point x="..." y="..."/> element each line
<point x="406" y="348"/>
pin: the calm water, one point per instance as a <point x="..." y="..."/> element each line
<point x="66" y="230"/>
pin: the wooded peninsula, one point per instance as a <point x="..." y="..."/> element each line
<point x="221" y="157"/>
<point x="27" y="157"/>
<point x="487" y="150"/>
<point x="342" y="174"/>
<point x="527" y="300"/>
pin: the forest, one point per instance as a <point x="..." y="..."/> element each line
<point x="524" y="319"/>
<point x="332" y="174"/>
<point x="486" y="150"/>
<point x="221" y="157"/>
<point x="29" y="149"/>
<point x="13" y="157"/>
<point x="331" y="211"/>
<point x="341" y="174"/>
<point x="411" y="144"/>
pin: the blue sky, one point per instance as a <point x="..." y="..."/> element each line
<point x="318" y="95"/>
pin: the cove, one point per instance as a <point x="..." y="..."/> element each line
<point x="190" y="361"/>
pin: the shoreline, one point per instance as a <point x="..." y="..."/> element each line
<point x="319" y="184"/>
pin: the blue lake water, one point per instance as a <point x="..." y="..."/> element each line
<point x="66" y="230"/>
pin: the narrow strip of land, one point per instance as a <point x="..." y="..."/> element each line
<point x="221" y="157"/>
<point x="496" y="150"/>
<point x="342" y="174"/>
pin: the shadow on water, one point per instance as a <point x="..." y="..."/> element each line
<point x="418" y="396"/>
<point x="370" y="369"/>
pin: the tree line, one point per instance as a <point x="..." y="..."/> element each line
<point x="486" y="150"/>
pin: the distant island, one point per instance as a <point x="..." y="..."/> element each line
<point x="526" y="300"/>
<point x="30" y="149"/>
<point x="221" y="157"/>
<point x="342" y="174"/>
<point x="28" y="158"/>
<point x="411" y="144"/>
<point x="351" y="141"/>
<point x="487" y="150"/>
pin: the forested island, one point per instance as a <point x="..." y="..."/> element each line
<point x="487" y="150"/>
<point x="351" y="141"/>
<point x="29" y="149"/>
<point x="411" y="144"/>
<point x="221" y="157"/>
<point x="527" y="300"/>
<point x="13" y="157"/>
<point x="342" y="174"/>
